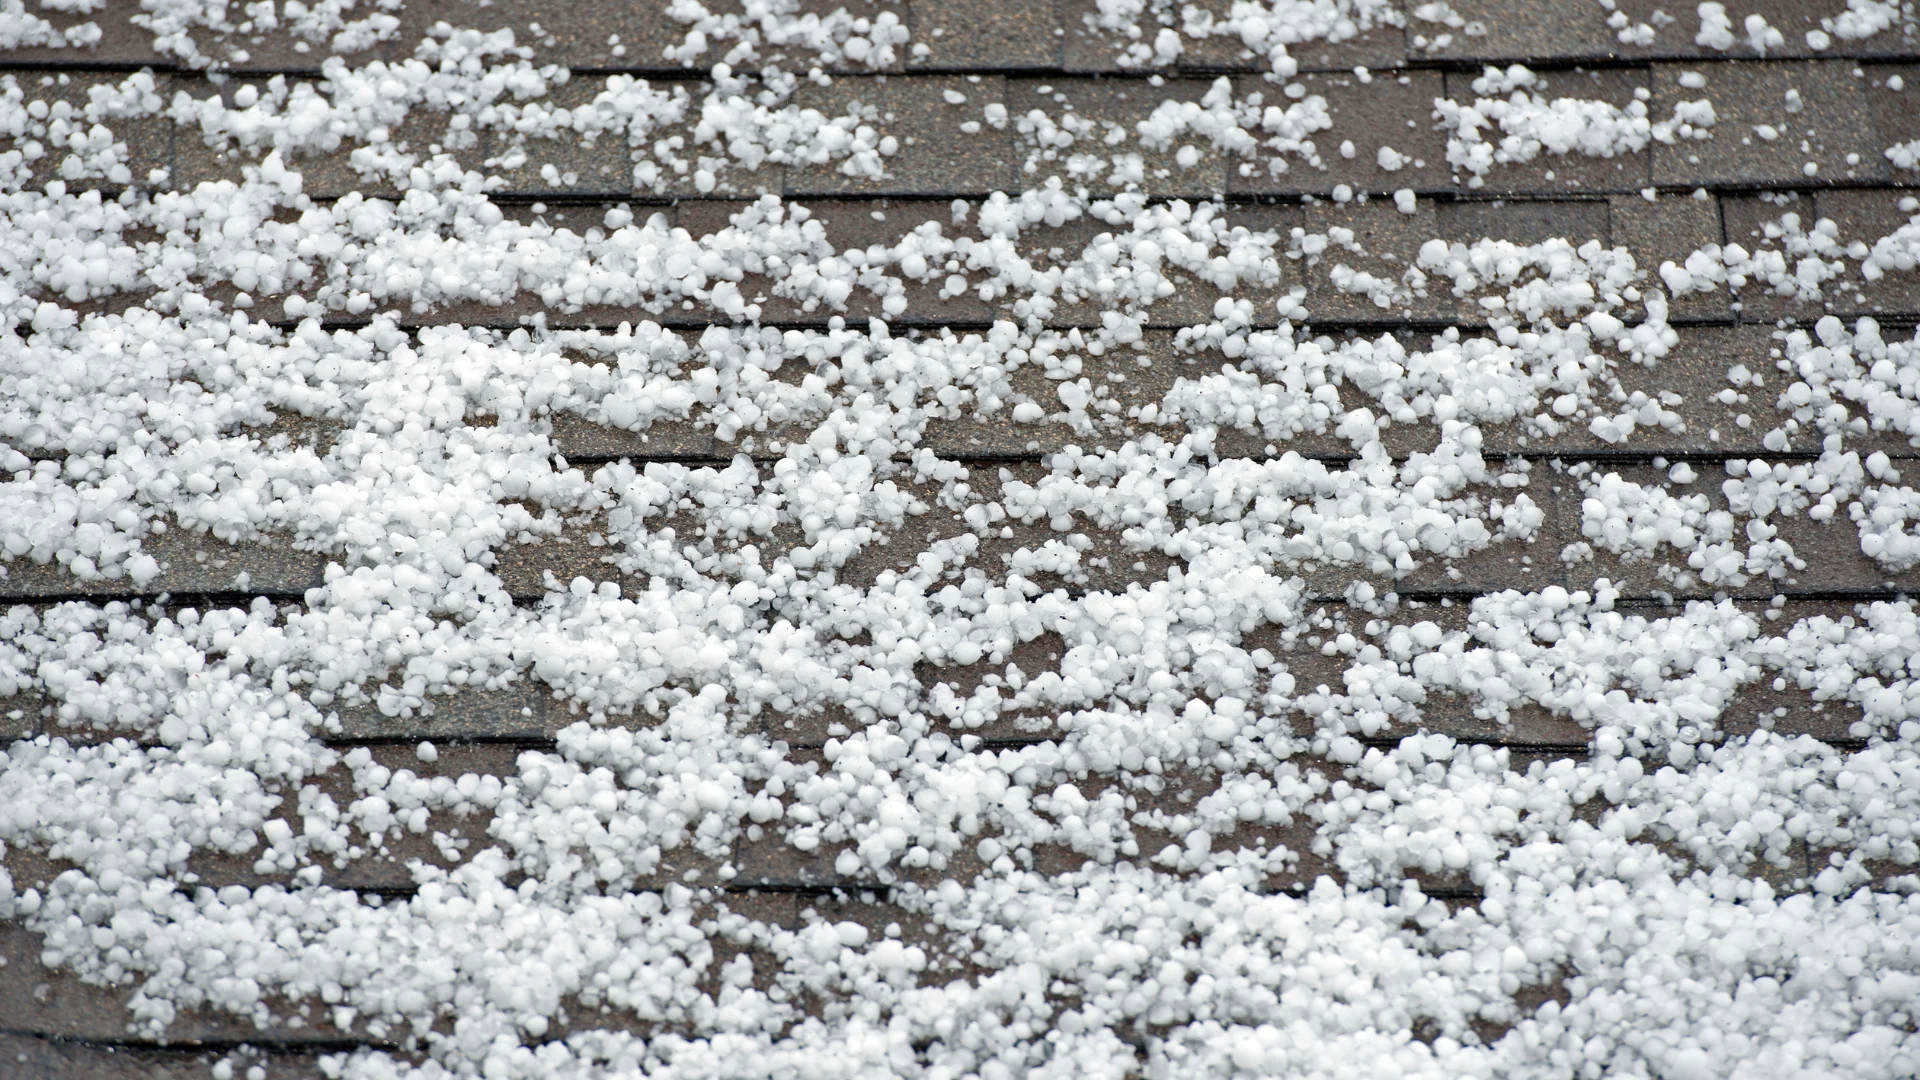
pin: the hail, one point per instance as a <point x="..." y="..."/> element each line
<point x="1108" y="889"/>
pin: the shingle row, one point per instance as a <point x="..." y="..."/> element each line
<point x="1042" y="35"/>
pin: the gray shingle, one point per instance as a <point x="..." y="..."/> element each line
<point x="1832" y="130"/>
<point x="1393" y="109"/>
<point x="936" y="155"/>
<point x="1749" y="220"/>
<point x="66" y="95"/>
<point x="1526" y="30"/>
<point x="1896" y="113"/>
<point x="33" y="1057"/>
<point x="1089" y="48"/>
<point x="1829" y="550"/>
<point x="324" y="174"/>
<point x="1668" y="230"/>
<point x="1380" y="48"/>
<point x="523" y="711"/>
<point x="189" y="563"/>
<point x="578" y="438"/>
<point x="1865" y="216"/>
<point x="984" y="35"/>
<point x="568" y="163"/>
<point x="1524" y="221"/>
<point x="38" y="1001"/>
<point x="1391" y="241"/>
<point x="523" y="568"/>
<point x="574" y="35"/>
<point x="1113" y="108"/>
<point x="1794" y="19"/>
<point x="121" y="43"/>
<point x="1546" y="32"/>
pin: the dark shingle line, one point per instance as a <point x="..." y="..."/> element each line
<point x="1599" y="61"/>
<point x="551" y="746"/>
<point x="194" y="1048"/>
<point x="1857" y="594"/>
<point x="1040" y="457"/>
<point x="906" y="327"/>
<point x="210" y="599"/>
<point x="1521" y="746"/>
<point x="452" y="738"/>
<point x="1443" y="193"/>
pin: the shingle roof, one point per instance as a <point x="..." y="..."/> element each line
<point x="1660" y="203"/>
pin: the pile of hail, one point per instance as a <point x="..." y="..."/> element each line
<point x="1132" y="753"/>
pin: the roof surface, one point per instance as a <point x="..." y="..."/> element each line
<point x="1149" y="586"/>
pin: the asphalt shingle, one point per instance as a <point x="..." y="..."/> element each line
<point x="1093" y="139"/>
<point x="1390" y="111"/>
<point x="944" y="146"/>
<point x="1668" y="229"/>
<point x="1776" y="124"/>
<point x="985" y="35"/>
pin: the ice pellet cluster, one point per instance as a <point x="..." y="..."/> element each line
<point x="1269" y="700"/>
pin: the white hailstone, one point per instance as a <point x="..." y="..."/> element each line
<point x="1762" y="36"/>
<point x="1532" y="124"/>
<point x="1862" y="20"/>
<point x="1716" y="27"/>
<point x="1267" y="31"/>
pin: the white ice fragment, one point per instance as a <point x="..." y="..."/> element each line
<point x="1716" y="27"/>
